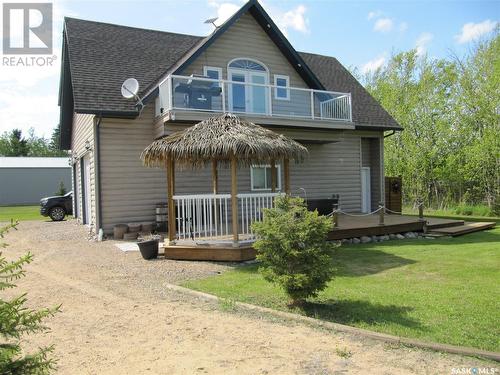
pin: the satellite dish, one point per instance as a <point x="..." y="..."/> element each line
<point x="130" y="88"/>
<point x="212" y="21"/>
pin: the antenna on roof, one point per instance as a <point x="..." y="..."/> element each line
<point x="212" y="21"/>
<point x="130" y="88"/>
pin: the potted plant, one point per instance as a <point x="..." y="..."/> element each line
<point x="148" y="245"/>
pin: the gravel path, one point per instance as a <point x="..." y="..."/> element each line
<point x="117" y="317"/>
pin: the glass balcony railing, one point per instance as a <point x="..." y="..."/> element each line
<point x="195" y="93"/>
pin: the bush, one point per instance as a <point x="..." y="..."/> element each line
<point x="16" y="319"/>
<point x="293" y="248"/>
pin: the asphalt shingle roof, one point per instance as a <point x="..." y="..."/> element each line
<point x="102" y="55"/>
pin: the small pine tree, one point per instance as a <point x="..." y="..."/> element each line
<point x="293" y="248"/>
<point x="16" y="320"/>
<point x="62" y="189"/>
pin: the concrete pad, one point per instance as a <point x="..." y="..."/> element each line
<point x="127" y="246"/>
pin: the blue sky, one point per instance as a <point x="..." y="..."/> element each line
<point x="360" y="34"/>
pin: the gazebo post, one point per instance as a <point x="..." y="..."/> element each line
<point x="215" y="177"/>
<point x="234" y="199"/>
<point x="171" y="192"/>
<point x="215" y="190"/>
<point x="286" y="172"/>
<point x="273" y="176"/>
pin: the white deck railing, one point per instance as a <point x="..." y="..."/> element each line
<point x="250" y="209"/>
<point x="219" y="96"/>
<point x="208" y="216"/>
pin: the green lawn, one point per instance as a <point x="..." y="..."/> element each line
<point x="443" y="290"/>
<point x="20" y="213"/>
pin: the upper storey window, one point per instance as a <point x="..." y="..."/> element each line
<point x="247" y="65"/>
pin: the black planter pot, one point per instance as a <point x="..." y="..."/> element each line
<point x="149" y="249"/>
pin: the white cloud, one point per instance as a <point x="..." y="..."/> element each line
<point x="292" y="19"/>
<point x="383" y="25"/>
<point x="224" y="10"/>
<point x="373" y="65"/>
<point x="374" y="14"/>
<point x="422" y="41"/>
<point x="295" y="19"/>
<point x="28" y="110"/>
<point x="472" y="31"/>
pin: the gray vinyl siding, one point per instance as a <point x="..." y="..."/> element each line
<point x="246" y="39"/>
<point x="129" y="191"/>
<point x="331" y="168"/>
<point x="83" y="131"/>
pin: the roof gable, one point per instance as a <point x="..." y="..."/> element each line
<point x="253" y="8"/>
<point x="245" y="39"/>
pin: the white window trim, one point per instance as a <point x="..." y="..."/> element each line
<point x="278" y="173"/>
<point x="287" y="87"/>
<point x="206" y="68"/>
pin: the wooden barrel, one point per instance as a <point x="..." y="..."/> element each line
<point x="119" y="230"/>
<point x="161" y="217"/>
<point x="134" y="227"/>
<point x="147" y="226"/>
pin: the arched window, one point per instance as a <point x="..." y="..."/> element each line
<point x="247" y="64"/>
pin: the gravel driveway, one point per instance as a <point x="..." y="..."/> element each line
<point x="117" y="317"/>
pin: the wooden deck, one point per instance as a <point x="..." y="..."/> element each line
<point x="468" y="227"/>
<point x="221" y="249"/>
<point x="207" y="252"/>
<point x="357" y="226"/>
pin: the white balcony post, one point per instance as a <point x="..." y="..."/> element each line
<point x="170" y="97"/>
<point x="270" y="100"/>
<point x="312" y="104"/>
<point x="350" y="108"/>
<point x="223" y="92"/>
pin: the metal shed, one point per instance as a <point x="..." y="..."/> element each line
<point x="25" y="180"/>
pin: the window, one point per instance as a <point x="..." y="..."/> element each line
<point x="281" y="81"/>
<point x="260" y="177"/>
<point x="247" y="64"/>
<point x="213" y="73"/>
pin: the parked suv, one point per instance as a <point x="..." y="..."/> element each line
<point x="57" y="207"/>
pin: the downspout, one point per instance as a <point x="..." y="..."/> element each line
<point x="392" y="133"/>
<point x="97" y="160"/>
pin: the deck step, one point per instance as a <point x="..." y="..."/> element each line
<point x="467" y="227"/>
<point x="435" y="224"/>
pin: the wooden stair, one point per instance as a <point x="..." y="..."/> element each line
<point x="436" y="223"/>
<point x="466" y="227"/>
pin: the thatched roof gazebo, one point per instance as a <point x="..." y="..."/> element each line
<point x="227" y="140"/>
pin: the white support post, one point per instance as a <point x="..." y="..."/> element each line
<point x="350" y="108"/>
<point x="223" y="92"/>
<point x="170" y="90"/>
<point x="312" y="104"/>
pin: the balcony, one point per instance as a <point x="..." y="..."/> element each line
<point x="185" y="98"/>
